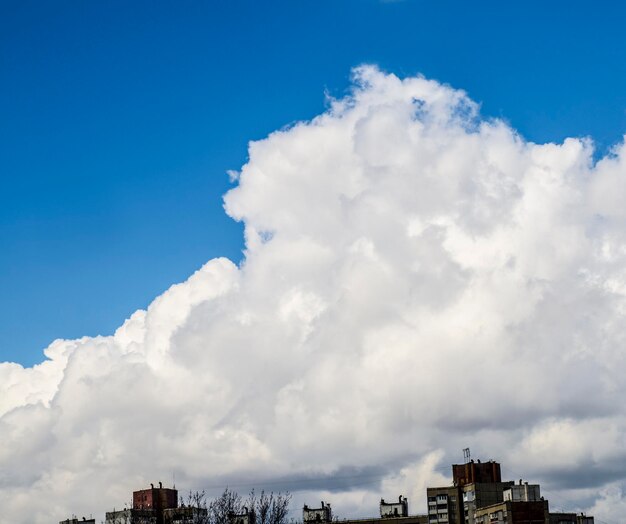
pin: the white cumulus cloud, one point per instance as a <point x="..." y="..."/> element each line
<point x="417" y="279"/>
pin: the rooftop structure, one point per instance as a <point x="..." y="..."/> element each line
<point x="412" y="519"/>
<point x="394" y="509"/>
<point x="131" y="516"/>
<point x="155" y="498"/>
<point x="562" y="518"/>
<point x="245" y="517"/>
<point x="323" y="514"/>
<point x="473" y="472"/>
<point x="523" y="492"/>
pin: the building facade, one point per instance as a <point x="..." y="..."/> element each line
<point x="523" y="492"/>
<point x="185" y="515"/>
<point x="157" y="499"/>
<point x="444" y="505"/>
<point x="412" y="519"/>
<point x="131" y="516"/>
<point x="563" y="518"/>
<point x="476" y="472"/>
<point x="481" y="494"/>
<point x="149" y="507"/>
<point x="509" y="512"/>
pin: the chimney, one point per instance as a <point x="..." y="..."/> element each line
<point x="151" y="485"/>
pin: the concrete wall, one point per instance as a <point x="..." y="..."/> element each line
<point x="394" y="509"/>
<point x="413" y="519"/>
<point x="479" y="495"/>
<point x="323" y="514"/>
<point x="523" y="493"/>
<point x="562" y="518"/>
<point x="510" y="512"/>
<point x="131" y="516"/>
<point x="445" y="505"/>
<point x="184" y="514"/>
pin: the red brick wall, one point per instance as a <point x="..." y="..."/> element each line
<point x="155" y="498"/>
<point x="471" y="472"/>
<point x="143" y="499"/>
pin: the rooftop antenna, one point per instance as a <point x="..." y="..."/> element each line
<point x="466" y="455"/>
<point x="173" y="480"/>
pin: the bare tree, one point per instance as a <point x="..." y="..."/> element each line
<point x="193" y="509"/>
<point x="272" y="508"/>
<point x="222" y="507"/>
<point x="268" y="508"/>
<point x="195" y="499"/>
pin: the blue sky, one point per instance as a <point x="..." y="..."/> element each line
<point x="119" y="120"/>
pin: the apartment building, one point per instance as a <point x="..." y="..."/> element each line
<point x="156" y="506"/>
<point x="444" y="505"/>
